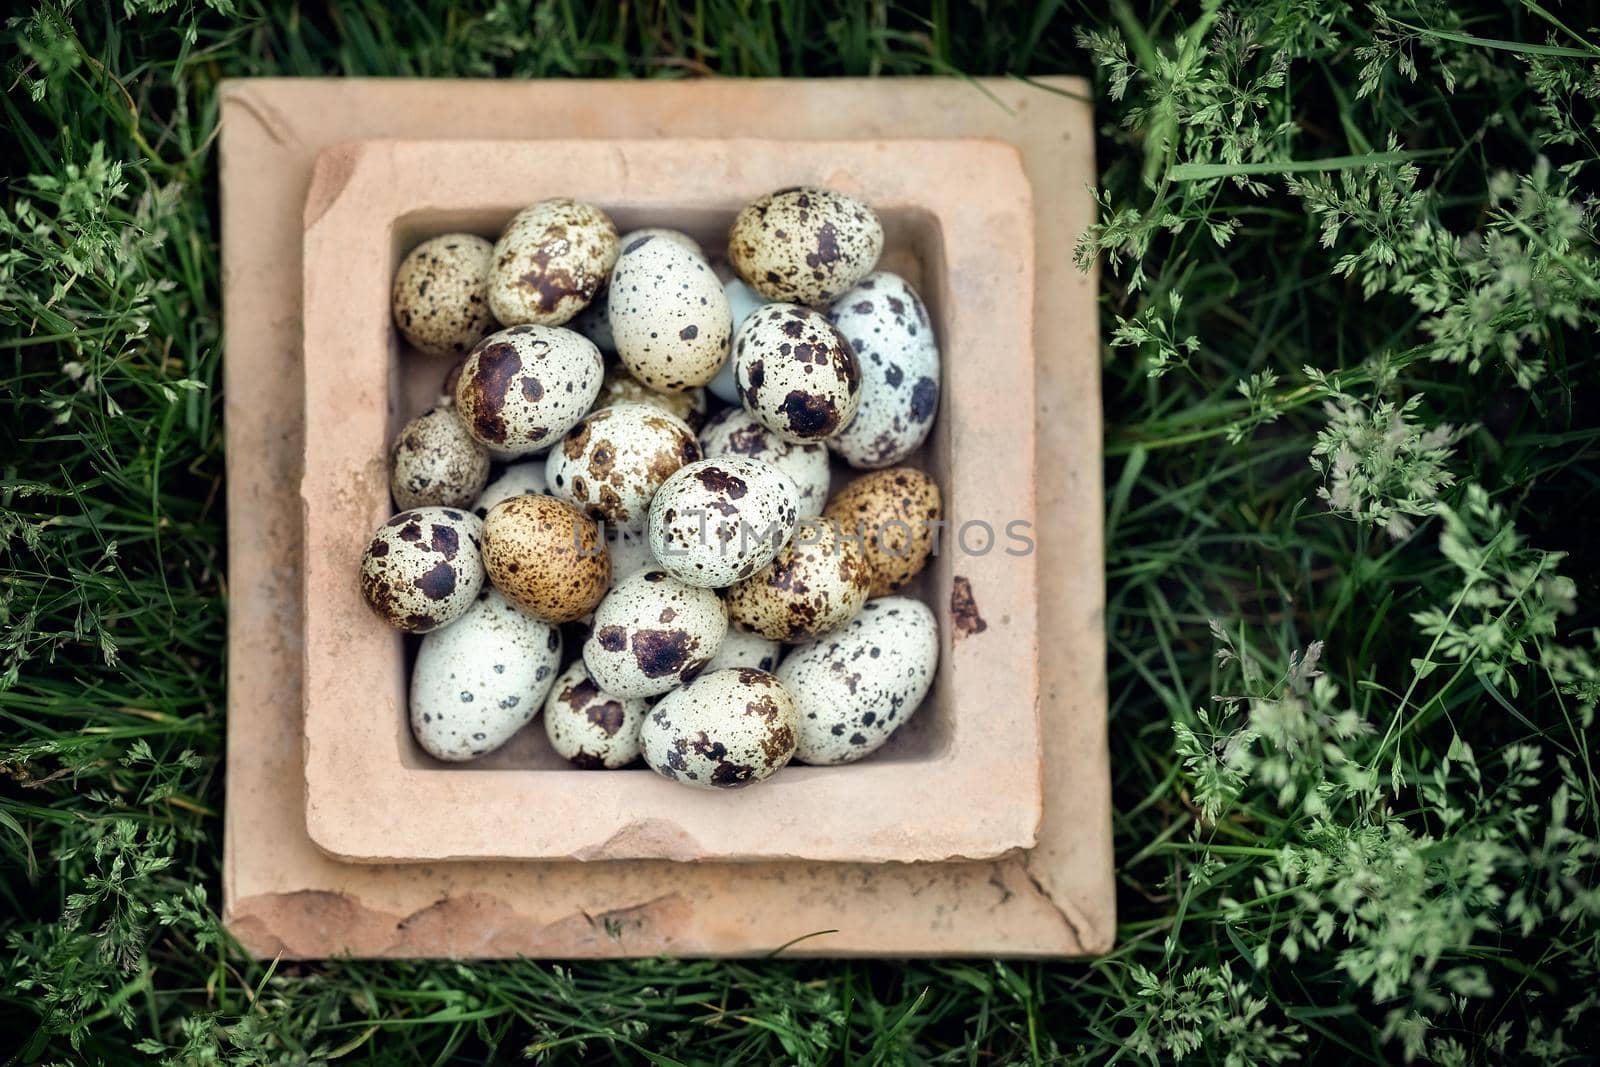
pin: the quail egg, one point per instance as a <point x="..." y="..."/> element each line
<point x="816" y="584"/>
<point x="892" y="337"/>
<point x="546" y="556"/>
<point x="481" y="679"/>
<point x="895" y="513"/>
<point x="669" y="315"/>
<point x="524" y="387"/>
<point x="805" y="245"/>
<point x="796" y="373"/>
<point x="441" y="294"/>
<point x="587" y="726"/>
<point x="622" y="387"/>
<point x="721" y="731"/>
<point x="434" y="460"/>
<point x="611" y="463"/>
<point x="718" y="520"/>
<point x="550" y="262"/>
<point x="856" y="686"/>
<point x="423" y="568"/>
<point x="652" y="633"/>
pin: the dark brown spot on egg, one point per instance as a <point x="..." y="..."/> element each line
<point x="612" y="638"/>
<point x="609" y="717"/>
<point x="497" y="366"/>
<point x="661" y="652"/>
<point x="809" y="415"/>
<point x="720" y="481"/>
<point x="438" y="583"/>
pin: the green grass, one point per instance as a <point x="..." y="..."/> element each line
<point x="1351" y="298"/>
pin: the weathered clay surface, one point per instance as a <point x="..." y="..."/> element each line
<point x="282" y="894"/>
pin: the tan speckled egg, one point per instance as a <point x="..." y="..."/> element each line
<point x="481" y="679"/>
<point x="736" y="432"/>
<point x="719" y="520"/>
<point x="894" y="513"/>
<point x="724" y="730"/>
<point x="589" y="727"/>
<point x="435" y="461"/>
<point x="524" y="387"/>
<point x="550" y="262"/>
<point x="805" y="245"/>
<point x="546" y="556"/>
<point x="858" y="685"/>
<point x="423" y="568"/>
<point x="796" y="373"/>
<point x="441" y="294"/>
<point x="669" y="316"/>
<point x="817" y="584"/>
<point x="741" y="648"/>
<point x="622" y="387"/>
<point x="612" y="462"/>
<point x="653" y="633"/>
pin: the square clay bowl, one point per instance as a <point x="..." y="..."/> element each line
<point x="961" y="781"/>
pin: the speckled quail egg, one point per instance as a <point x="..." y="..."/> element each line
<point x="669" y="315"/>
<point x="435" y="461"/>
<point x="653" y="633"/>
<point x="856" y="686"/>
<point x="546" y="556"/>
<point x="892" y="337"/>
<point x="796" y="373"/>
<point x="895" y="513"/>
<point x="816" y="584"/>
<point x="519" y="479"/>
<point x="721" y="731"/>
<point x="622" y="387"/>
<point x="736" y="432"/>
<point x="742" y="301"/>
<point x="611" y="463"/>
<point x="481" y="679"/>
<point x="589" y="727"/>
<point x="441" y="294"/>
<point x="719" y="520"/>
<point x="630" y="553"/>
<point x="741" y="648"/>
<point x="550" y="262"/>
<point x="524" y="387"/>
<point x="424" y="568"/>
<point x="805" y="245"/>
<point x="677" y="237"/>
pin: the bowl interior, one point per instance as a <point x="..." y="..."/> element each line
<point x="913" y="248"/>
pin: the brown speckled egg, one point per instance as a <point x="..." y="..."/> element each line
<point x="723" y="730"/>
<point x="546" y="556"/>
<point x="524" y="387"/>
<point x="893" y="512"/>
<point x="589" y="727"/>
<point x="796" y="373"/>
<point x="736" y="432"/>
<point x="669" y="316"/>
<point x="622" y="387"/>
<point x="441" y="294"/>
<point x="423" y="568"/>
<point x="818" y="583"/>
<point x="719" y="520"/>
<point x="481" y="679"/>
<point x="612" y="462"/>
<point x="653" y="633"/>
<point x="856" y="686"/>
<point x="550" y="262"/>
<point x="805" y="245"/>
<point x="741" y="648"/>
<point x="892" y="337"/>
<point x="434" y="460"/>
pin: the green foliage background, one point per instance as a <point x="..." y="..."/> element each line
<point x="1351" y="300"/>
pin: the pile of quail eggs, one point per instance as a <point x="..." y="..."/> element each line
<point x="669" y="514"/>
